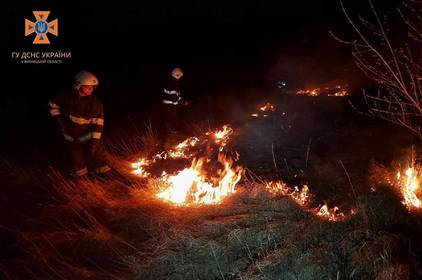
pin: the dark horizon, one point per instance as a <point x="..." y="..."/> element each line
<point x="242" y="45"/>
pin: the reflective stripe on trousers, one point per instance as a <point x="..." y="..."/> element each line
<point x="81" y="172"/>
<point x="102" y="169"/>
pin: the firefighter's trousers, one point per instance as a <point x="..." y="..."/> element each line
<point x="85" y="155"/>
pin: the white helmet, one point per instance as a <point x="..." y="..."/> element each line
<point x="85" y="78"/>
<point x="177" y="73"/>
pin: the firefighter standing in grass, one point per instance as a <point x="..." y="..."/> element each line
<point x="172" y="100"/>
<point x="80" y="116"/>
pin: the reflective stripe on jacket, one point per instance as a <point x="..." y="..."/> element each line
<point x="81" y="117"/>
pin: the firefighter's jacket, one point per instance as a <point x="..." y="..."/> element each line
<point x="81" y="118"/>
<point x="171" y="93"/>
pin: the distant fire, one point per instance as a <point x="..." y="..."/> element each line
<point x="409" y="186"/>
<point x="268" y="107"/>
<point x="337" y="91"/>
<point x="264" y="110"/>
<point x="309" y="92"/>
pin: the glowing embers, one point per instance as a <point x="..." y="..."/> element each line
<point x="195" y="186"/>
<point x="409" y="186"/>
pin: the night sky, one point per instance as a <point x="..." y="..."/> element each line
<point x="220" y="44"/>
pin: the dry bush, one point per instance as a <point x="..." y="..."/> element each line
<point x="395" y="65"/>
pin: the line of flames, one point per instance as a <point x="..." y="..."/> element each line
<point x="302" y="197"/>
<point x="194" y="185"/>
<point x="337" y="91"/>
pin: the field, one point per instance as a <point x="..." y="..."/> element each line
<point x="56" y="228"/>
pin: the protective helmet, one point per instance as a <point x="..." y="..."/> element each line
<point x="177" y="73"/>
<point x="85" y="78"/>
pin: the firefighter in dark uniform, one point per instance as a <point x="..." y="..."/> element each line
<point x="172" y="100"/>
<point x="80" y="117"/>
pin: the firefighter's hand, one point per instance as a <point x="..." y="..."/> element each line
<point x="67" y="137"/>
<point x="185" y="103"/>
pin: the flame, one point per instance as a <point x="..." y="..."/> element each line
<point x="309" y="92"/>
<point x="280" y="188"/>
<point x="180" y="150"/>
<point x="330" y="214"/>
<point x="139" y="167"/>
<point x="303" y="198"/>
<point x="267" y="107"/>
<point x="191" y="185"/>
<point x="337" y="91"/>
<point x="221" y="137"/>
<point x="409" y="186"/>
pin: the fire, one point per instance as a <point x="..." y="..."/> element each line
<point x="191" y="185"/>
<point x="180" y="150"/>
<point x="409" y="187"/>
<point x="336" y="91"/>
<point x="330" y="214"/>
<point x="267" y="107"/>
<point x="221" y="137"/>
<point x="280" y="188"/>
<point x="303" y="198"/>
<point x="139" y="167"/>
<point x="309" y="92"/>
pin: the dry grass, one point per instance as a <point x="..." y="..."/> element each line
<point x="117" y="229"/>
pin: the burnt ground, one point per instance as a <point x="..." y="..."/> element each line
<point x="56" y="230"/>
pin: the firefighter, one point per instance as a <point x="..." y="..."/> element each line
<point x="172" y="100"/>
<point x="80" y="117"/>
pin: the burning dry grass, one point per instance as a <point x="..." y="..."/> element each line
<point x="104" y="230"/>
<point x="118" y="230"/>
<point x="405" y="183"/>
